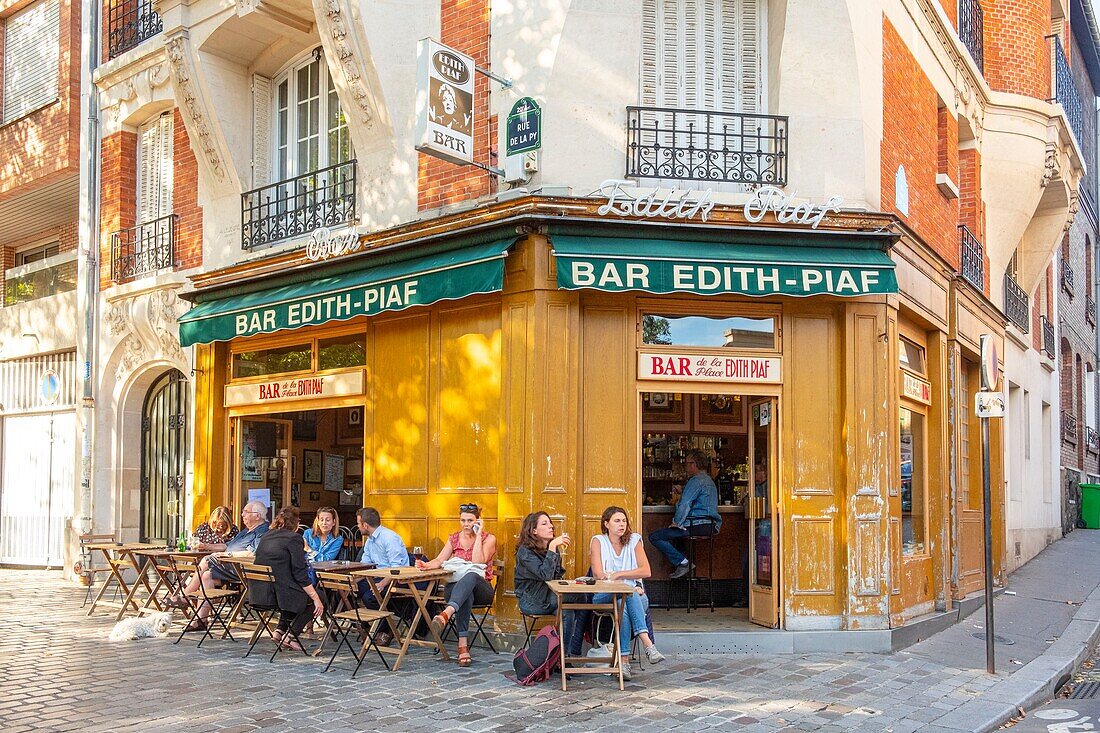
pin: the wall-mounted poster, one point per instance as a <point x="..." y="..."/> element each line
<point x="334" y="472"/>
<point x="312" y="466"/>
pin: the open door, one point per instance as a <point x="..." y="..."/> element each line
<point x="262" y="461"/>
<point x="760" y="511"/>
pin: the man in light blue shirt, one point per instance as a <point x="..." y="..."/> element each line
<point x="381" y="546"/>
<point x="696" y="513"/>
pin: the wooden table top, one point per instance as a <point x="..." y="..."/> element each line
<point x="121" y="546"/>
<point x="342" y="566"/>
<point x="238" y="559"/>
<point x="404" y="573"/>
<point x="562" y="587"/>
<point x="164" y="552"/>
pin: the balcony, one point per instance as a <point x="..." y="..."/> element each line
<point x="1067" y="276"/>
<point x="1016" y="304"/>
<point x="972" y="30"/>
<point x="1049" y="346"/>
<point x="129" y="22"/>
<point x="1064" y="91"/>
<point x="143" y="249"/>
<point x="297" y="206"/>
<point x="51" y="276"/>
<point x="1069" y="427"/>
<point x="692" y="145"/>
<point x="1090" y="310"/>
<point x="971" y="259"/>
<point x="1092" y="440"/>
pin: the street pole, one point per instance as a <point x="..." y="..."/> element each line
<point x="987" y="512"/>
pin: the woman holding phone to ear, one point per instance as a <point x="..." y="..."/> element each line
<point x="473" y="544"/>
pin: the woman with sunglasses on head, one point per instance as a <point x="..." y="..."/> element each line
<point x="618" y="554"/>
<point x="473" y="544"/>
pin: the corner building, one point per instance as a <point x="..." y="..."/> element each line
<point x="811" y="322"/>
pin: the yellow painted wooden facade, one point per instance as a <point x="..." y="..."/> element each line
<point x="529" y="400"/>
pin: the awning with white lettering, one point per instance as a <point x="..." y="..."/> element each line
<point x="715" y="268"/>
<point x="392" y="286"/>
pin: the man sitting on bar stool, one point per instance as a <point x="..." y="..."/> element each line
<point x="696" y="513"/>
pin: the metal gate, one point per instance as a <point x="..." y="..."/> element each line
<point x="164" y="450"/>
<point x="37" y="501"/>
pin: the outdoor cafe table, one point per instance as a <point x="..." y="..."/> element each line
<point x="120" y="557"/>
<point x="164" y="572"/>
<point x="403" y="582"/>
<point x="343" y="567"/>
<point x="619" y="592"/>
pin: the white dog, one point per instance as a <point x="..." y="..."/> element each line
<point x="154" y="626"/>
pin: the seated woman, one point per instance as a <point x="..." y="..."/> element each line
<point x="538" y="559"/>
<point x="282" y="550"/>
<point x="473" y="544"/>
<point x="323" y="541"/>
<point x="216" y="532"/>
<point x="618" y="554"/>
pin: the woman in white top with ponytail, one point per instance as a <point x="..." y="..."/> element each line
<point x="618" y="554"/>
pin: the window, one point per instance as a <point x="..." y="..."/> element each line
<point x="703" y="54"/>
<point x="911" y="356"/>
<point x="311" y="132"/>
<point x="37" y="254"/>
<point x="914" y="515"/>
<point x="154" y="184"/>
<point x="31" y="59"/>
<point x="342" y="351"/>
<point x="279" y="360"/>
<point x="737" y="332"/>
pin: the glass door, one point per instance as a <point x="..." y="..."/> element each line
<point x="760" y="509"/>
<point x="262" y="462"/>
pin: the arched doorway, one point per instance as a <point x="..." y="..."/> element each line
<point x="164" y="451"/>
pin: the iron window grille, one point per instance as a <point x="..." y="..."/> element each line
<point x="693" y="145"/>
<point x="1064" y="91"/>
<point x="1067" y="276"/>
<point x="1069" y="427"/>
<point x="129" y="22"/>
<point x="971" y="258"/>
<point x="298" y="205"/>
<point x="1090" y="310"/>
<point x="972" y="30"/>
<point x="1048" y="337"/>
<point x="1016" y="304"/>
<point x="143" y="249"/>
<point x="1092" y="440"/>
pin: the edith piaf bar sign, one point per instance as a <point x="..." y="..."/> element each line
<point x="444" y="102"/>
<point x="696" y="368"/>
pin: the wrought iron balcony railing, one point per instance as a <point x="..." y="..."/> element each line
<point x="1090" y="310"/>
<point x="1049" y="344"/>
<point x="1067" y="276"/>
<point x="693" y="145"/>
<point x="1064" y="91"/>
<point x="1069" y="427"/>
<point x="297" y="206"/>
<point x="1092" y="440"/>
<point x="972" y="30"/>
<point x="143" y="249"/>
<point x="971" y="258"/>
<point x="129" y="22"/>
<point x="1016" y="304"/>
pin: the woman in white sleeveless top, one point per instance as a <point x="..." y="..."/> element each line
<point x="618" y="554"/>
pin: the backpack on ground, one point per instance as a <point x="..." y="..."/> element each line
<point x="540" y="659"/>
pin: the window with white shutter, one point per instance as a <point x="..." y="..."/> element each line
<point x="31" y="59"/>
<point x="154" y="184"/>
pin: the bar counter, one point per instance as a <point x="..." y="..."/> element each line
<point x="730" y="544"/>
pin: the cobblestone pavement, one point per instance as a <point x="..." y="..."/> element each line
<point x="61" y="674"/>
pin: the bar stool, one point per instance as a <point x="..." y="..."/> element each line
<point x="700" y="530"/>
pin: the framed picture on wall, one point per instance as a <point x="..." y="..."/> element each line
<point x="721" y="410"/>
<point x="662" y="407"/>
<point x="312" y="466"/>
<point x="305" y="425"/>
<point x="349" y="426"/>
<point x="315" y="496"/>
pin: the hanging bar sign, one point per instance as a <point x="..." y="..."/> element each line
<point x="444" y="102"/>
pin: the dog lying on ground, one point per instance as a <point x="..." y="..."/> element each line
<point x="154" y="626"/>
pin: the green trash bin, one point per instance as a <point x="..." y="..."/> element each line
<point x="1090" y="505"/>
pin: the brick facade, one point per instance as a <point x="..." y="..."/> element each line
<point x="1016" y="50"/>
<point x="464" y="25"/>
<point x="117" y="193"/>
<point x="185" y="197"/>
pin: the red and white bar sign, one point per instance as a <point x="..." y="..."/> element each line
<point x="916" y="388"/>
<point x="696" y="368"/>
<point x="302" y="388"/>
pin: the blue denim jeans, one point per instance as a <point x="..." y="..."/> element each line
<point x="662" y="539"/>
<point x="633" y="622"/>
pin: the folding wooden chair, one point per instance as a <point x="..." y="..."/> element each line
<point x="89" y="568"/>
<point x="219" y="600"/>
<point x="475" y="619"/>
<point x="356" y="618"/>
<point x="251" y="576"/>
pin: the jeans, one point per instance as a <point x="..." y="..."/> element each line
<point x="294" y="622"/>
<point x="471" y="590"/>
<point x="633" y="622"/>
<point x="662" y="539"/>
<point x="573" y="623"/>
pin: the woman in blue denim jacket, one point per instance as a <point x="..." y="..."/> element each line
<point x="323" y="541"/>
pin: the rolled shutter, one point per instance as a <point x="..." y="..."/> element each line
<point x="261" y="130"/>
<point x="31" y="59"/>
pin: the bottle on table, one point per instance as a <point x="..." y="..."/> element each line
<point x="183" y="542"/>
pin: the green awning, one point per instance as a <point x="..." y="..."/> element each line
<point x="709" y="268"/>
<point x="391" y="286"/>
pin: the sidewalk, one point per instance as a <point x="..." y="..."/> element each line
<point x="60" y="674"/>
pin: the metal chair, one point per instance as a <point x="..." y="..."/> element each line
<point x="87" y="566"/>
<point x="357" y="617"/>
<point x="479" y="621"/>
<point x="252" y="575"/>
<point x="218" y="599"/>
<point x="700" y="531"/>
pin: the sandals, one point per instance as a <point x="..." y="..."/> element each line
<point x="440" y="620"/>
<point x="464" y="658"/>
<point x="197" y="624"/>
<point x="291" y="643"/>
<point x="176" y="602"/>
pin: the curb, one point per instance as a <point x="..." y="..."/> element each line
<point x="1035" y="682"/>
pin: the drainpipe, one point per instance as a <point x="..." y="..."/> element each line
<point x="89" y="147"/>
